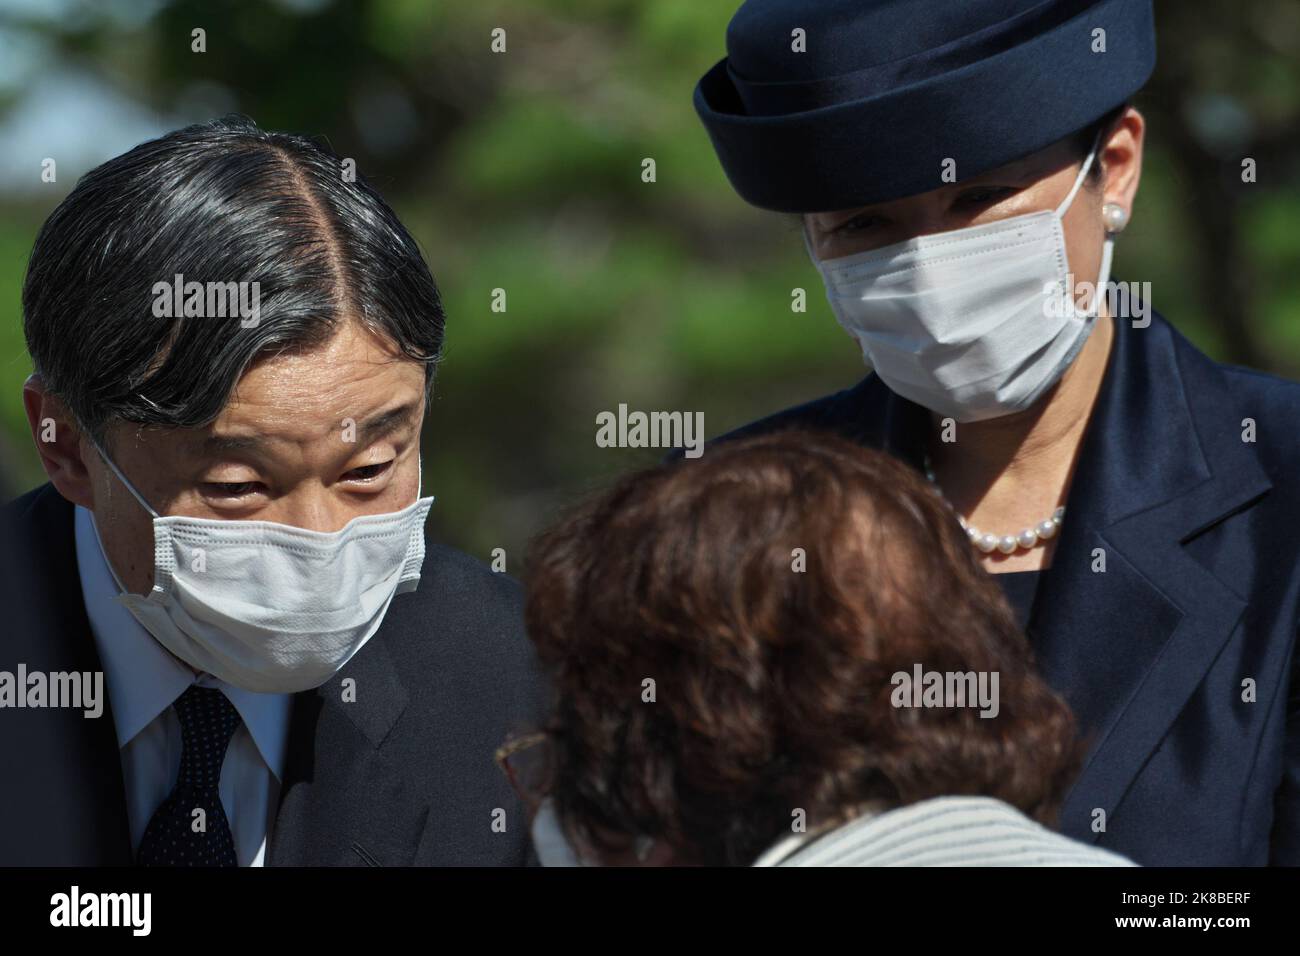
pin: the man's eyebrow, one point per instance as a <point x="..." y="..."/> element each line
<point x="372" y="428"/>
<point x="386" y="422"/>
<point x="216" y="444"/>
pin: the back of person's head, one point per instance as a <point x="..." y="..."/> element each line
<point x="724" y="633"/>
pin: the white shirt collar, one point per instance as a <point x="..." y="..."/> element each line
<point x="143" y="677"/>
<point x="779" y="852"/>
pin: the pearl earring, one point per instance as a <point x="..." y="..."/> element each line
<point x="1114" y="216"/>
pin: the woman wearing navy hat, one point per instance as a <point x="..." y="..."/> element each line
<point x="962" y="171"/>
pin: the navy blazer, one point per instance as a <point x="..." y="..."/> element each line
<point x="403" y="775"/>
<point x="1198" y="604"/>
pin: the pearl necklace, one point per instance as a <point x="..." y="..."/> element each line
<point x="988" y="543"/>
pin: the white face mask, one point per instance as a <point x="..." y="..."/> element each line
<point x="269" y="607"/>
<point x="973" y="323"/>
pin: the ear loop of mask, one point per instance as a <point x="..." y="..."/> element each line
<point x="419" y="481"/>
<point x="120" y="477"/>
<point x="807" y="243"/>
<point x="1108" y="246"/>
<point x="94" y="523"/>
<point x="1078" y="181"/>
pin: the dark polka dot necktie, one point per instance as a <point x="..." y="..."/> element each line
<point x="177" y="835"/>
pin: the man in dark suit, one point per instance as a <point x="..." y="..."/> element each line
<point x="217" y="652"/>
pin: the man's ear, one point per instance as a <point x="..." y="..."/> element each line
<point x="58" y="441"/>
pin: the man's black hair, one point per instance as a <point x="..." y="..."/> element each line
<point x="221" y="202"/>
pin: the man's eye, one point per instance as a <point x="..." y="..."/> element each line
<point x="230" y="489"/>
<point x="367" y="472"/>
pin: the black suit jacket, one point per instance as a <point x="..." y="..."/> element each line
<point x="402" y="776"/>
<point x="1200" y="533"/>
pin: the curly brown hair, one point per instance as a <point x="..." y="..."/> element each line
<point x="772" y="685"/>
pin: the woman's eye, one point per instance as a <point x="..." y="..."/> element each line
<point x="858" y="224"/>
<point x="230" y="489"/>
<point x="367" y="472"/>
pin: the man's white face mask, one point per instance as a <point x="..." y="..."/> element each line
<point x="269" y="607"/>
<point x="974" y="323"/>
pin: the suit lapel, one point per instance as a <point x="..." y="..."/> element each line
<point x="344" y="800"/>
<point x="1162" y="460"/>
<point x="1127" y="646"/>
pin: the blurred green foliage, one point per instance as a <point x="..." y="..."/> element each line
<point x="522" y="171"/>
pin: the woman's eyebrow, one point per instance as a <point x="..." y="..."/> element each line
<point x="842" y="218"/>
<point x="1012" y="173"/>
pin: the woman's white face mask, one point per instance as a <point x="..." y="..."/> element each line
<point x="972" y="324"/>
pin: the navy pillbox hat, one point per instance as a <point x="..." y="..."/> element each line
<point x="887" y="90"/>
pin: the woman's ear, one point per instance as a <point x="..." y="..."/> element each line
<point x="1121" y="159"/>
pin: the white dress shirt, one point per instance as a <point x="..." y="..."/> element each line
<point x="143" y="680"/>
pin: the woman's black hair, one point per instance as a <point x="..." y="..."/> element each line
<point x="1084" y="139"/>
